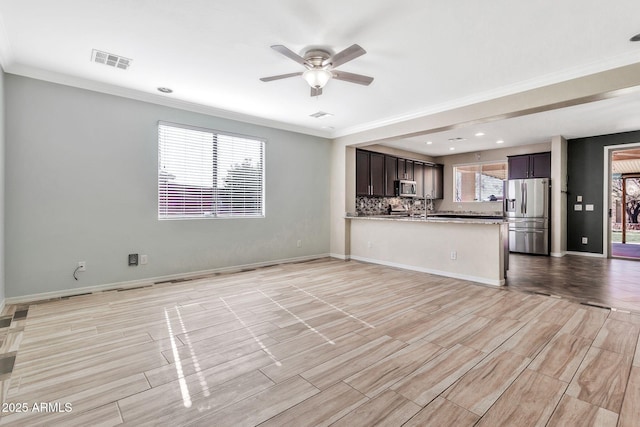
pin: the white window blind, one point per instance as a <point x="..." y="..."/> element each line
<point x="204" y="173"/>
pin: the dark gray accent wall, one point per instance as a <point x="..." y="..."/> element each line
<point x="585" y="169"/>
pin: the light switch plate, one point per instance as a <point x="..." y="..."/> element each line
<point x="588" y="207"/>
<point x="577" y="207"/>
<point x="578" y="198"/>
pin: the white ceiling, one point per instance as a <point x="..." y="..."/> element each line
<point x="425" y="56"/>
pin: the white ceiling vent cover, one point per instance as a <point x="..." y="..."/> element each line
<point x="110" y="59"/>
<point x="321" y="115"/>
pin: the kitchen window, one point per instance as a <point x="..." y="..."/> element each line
<point x="204" y="173"/>
<point x="479" y="182"/>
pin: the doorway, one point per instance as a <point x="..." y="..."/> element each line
<point x="624" y="204"/>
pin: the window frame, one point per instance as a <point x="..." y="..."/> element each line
<point x="215" y="133"/>
<point x="486" y="162"/>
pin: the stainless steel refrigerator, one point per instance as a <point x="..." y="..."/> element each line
<point x="526" y="208"/>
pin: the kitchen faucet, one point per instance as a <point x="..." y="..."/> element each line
<point x="428" y="206"/>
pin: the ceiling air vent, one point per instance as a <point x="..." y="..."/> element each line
<point x="110" y="59"/>
<point x="321" y="115"/>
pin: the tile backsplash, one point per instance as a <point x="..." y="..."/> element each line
<point x="366" y="205"/>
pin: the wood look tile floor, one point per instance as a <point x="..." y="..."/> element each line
<point x="609" y="282"/>
<point x="328" y="342"/>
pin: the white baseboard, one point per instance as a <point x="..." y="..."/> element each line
<point x="151" y="280"/>
<point x="587" y="254"/>
<point x="558" y="254"/>
<point x="341" y="256"/>
<point x="482" y="280"/>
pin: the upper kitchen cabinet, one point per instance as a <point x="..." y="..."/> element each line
<point x="391" y="175"/>
<point x="405" y="169"/>
<point x="433" y="181"/>
<point x="370" y="177"/>
<point x="418" y="177"/>
<point x="536" y="165"/>
<point x="377" y="173"/>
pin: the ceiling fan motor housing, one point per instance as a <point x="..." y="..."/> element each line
<point x="316" y="57"/>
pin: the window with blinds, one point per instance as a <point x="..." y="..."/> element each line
<point x="206" y="174"/>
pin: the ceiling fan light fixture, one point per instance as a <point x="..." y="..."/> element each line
<point x="317" y="78"/>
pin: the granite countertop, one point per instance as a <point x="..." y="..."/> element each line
<point x="463" y="219"/>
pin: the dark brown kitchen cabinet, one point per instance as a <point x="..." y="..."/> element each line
<point x="405" y="169"/>
<point x="376" y="163"/>
<point x="537" y="165"/>
<point x="433" y="181"/>
<point x="377" y="173"/>
<point x="390" y="175"/>
<point x="363" y="173"/>
<point x="518" y="167"/>
<point x="370" y="178"/>
<point x="540" y="165"/>
<point x="418" y="177"/>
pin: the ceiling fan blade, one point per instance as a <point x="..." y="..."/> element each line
<point x="289" y="54"/>
<point x="281" y="76"/>
<point x="352" y="78"/>
<point x="352" y="52"/>
<point x="316" y="91"/>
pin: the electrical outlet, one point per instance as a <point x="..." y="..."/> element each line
<point x="585" y="240"/>
<point x="454" y="255"/>
<point x="133" y="259"/>
<point x="144" y="259"/>
<point x="299" y="243"/>
<point x="82" y="266"/>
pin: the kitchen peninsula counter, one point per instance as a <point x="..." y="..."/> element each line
<point x="469" y="248"/>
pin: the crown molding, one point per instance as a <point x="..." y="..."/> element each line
<point x="9" y="66"/>
<point x="164" y="100"/>
<point x="6" y="53"/>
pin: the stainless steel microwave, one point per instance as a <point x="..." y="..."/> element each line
<point x="406" y="188"/>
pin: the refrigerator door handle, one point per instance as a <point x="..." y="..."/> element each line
<point x="524" y="198"/>
<point x="521" y="197"/>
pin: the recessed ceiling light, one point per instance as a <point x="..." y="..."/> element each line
<point x="165" y="90"/>
<point x="480" y="134"/>
<point x="429" y="142"/>
<point x="452" y="148"/>
<point x="499" y="141"/>
<point x="635" y="38"/>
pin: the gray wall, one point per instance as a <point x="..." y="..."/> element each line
<point x="585" y="169"/>
<point x="2" y="181"/>
<point x="81" y="171"/>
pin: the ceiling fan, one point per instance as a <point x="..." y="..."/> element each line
<point x="321" y="67"/>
